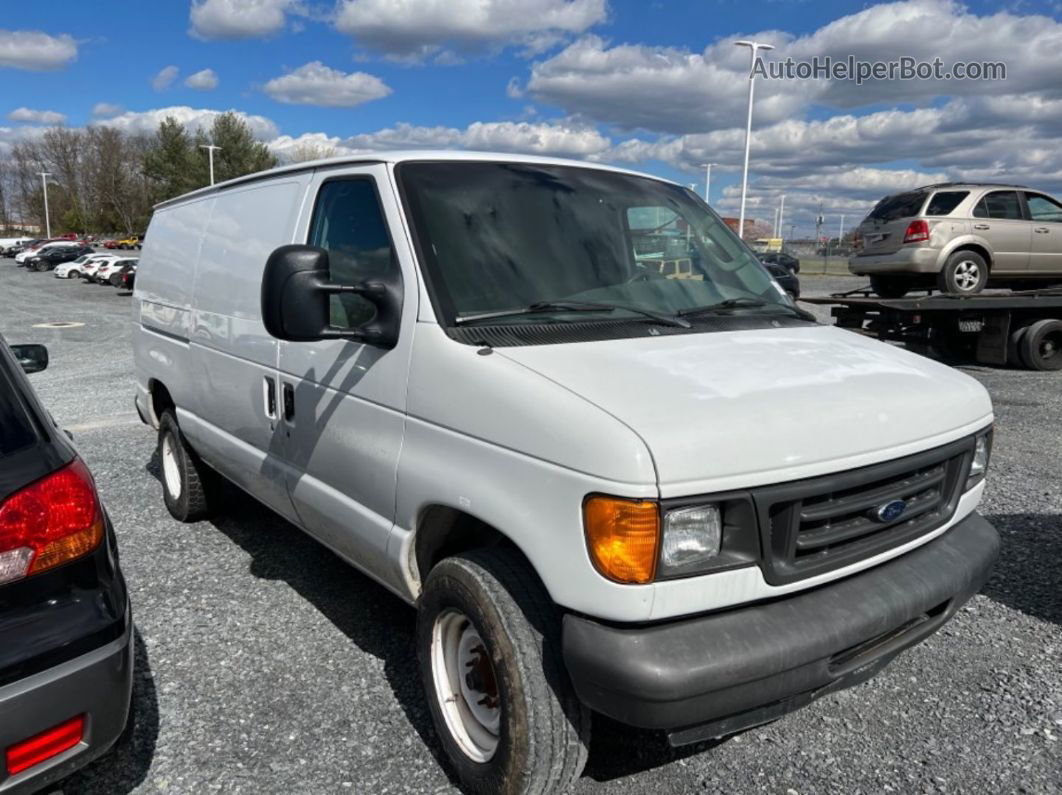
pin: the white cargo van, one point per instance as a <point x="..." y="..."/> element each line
<point x="607" y="484"/>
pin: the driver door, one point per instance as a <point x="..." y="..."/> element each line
<point x="343" y="402"/>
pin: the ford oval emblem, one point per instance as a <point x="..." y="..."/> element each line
<point x="891" y="511"/>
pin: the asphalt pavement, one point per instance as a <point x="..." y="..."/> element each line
<point x="265" y="664"/>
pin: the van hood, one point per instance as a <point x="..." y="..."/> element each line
<point x="738" y="409"/>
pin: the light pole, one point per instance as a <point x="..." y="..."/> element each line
<point x="781" y="211"/>
<point x="753" y="46"/>
<point x="840" y="231"/>
<point x="707" y="181"/>
<point x="47" y="220"/>
<point x="210" y="150"/>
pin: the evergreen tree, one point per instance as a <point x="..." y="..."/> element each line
<point x="168" y="162"/>
<point x="240" y="153"/>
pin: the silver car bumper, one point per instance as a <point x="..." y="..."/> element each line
<point x="908" y="259"/>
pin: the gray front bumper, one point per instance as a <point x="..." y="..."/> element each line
<point x="717" y="674"/>
<point x="97" y="685"/>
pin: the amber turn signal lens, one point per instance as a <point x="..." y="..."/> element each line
<point x="623" y="537"/>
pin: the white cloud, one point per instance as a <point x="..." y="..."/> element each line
<point x="192" y="118"/>
<point x="164" y="79"/>
<point x="10" y="136"/>
<point x="317" y="84"/>
<point x="561" y="139"/>
<point x="285" y="146"/>
<point x="102" y="110"/>
<point x="674" y="90"/>
<point x="240" y="19"/>
<point x="662" y="89"/>
<point x="203" y="80"/>
<point x="415" y="29"/>
<point x="26" y="115"/>
<point x="34" y="50"/>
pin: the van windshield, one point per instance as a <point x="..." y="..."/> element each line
<point x="496" y="237"/>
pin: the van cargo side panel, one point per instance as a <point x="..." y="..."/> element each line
<point x="231" y="352"/>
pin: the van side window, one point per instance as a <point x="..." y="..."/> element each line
<point x="349" y="223"/>
<point x="1001" y="204"/>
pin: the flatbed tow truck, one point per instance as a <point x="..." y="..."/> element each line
<point x="1020" y="329"/>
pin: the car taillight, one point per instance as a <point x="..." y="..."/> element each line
<point x="857" y="241"/>
<point x="50" y="522"/>
<point x="917" y="232"/>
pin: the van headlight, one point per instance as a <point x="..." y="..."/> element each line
<point x="639" y="541"/>
<point x="691" y="539"/>
<point x="979" y="463"/>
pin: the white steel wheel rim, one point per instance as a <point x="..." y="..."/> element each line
<point x="171" y="472"/>
<point x="466" y="685"/>
<point x="967" y="274"/>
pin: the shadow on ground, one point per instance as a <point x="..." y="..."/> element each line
<point x="1026" y="577"/>
<point x="382" y="625"/>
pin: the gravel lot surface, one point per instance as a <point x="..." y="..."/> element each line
<point x="267" y="665"/>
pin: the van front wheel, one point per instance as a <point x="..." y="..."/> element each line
<point x="188" y="485"/>
<point x="488" y="640"/>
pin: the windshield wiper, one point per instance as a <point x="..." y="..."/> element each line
<point x="744" y="302"/>
<point x="729" y="303"/>
<point x="574" y="306"/>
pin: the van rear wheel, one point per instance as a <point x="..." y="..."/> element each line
<point x="488" y="640"/>
<point x="188" y="485"/>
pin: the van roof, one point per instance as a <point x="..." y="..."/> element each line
<point x="393" y="157"/>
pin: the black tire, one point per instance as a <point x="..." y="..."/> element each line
<point x="890" y="286"/>
<point x="73" y="274"/>
<point x="1014" y="347"/>
<point x="544" y="730"/>
<point x="1041" y="345"/>
<point x="965" y="273"/>
<point x="198" y="484"/>
<point x="115" y="280"/>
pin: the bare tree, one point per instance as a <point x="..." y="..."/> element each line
<point x="310" y="151"/>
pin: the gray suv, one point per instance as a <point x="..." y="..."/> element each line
<point x="959" y="237"/>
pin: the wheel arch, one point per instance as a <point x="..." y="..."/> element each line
<point x="443" y="531"/>
<point x="159" y="400"/>
<point x="972" y="245"/>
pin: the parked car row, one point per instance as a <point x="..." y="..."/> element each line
<point x="102" y="268"/>
<point x="69" y="260"/>
<point x="13" y="246"/>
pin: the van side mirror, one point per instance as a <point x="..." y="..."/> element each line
<point x="295" y="300"/>
<point x="32" y="358"/>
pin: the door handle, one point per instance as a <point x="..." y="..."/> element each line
<point x="1043" y="230"/>
<point x="981" y="226"/>
<point x="269" y="386"/>
<point x="289" y="402"/>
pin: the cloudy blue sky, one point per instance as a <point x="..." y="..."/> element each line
<point x="658" y="86"/>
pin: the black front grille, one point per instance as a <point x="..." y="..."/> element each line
<point x="820" y="524"/>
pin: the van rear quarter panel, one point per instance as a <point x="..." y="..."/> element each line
<point x="164" y="283"/>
